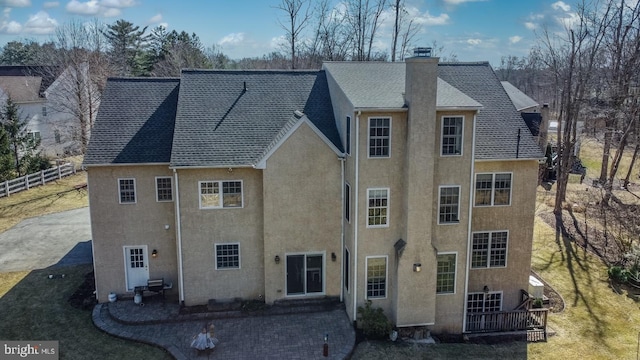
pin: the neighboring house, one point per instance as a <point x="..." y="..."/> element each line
<point x="401" y="183"/>
<point x="38" y="92"/>
<point x="536" y="118"/>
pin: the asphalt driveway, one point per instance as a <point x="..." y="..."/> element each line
<point x="57" y="239"/>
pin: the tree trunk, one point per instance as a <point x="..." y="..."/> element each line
<point x="633" y="162"/>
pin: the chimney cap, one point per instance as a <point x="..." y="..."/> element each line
<point x="422" y="52"/>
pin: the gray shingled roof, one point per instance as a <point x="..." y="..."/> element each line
<point x="220" y="124"/>
<point x="135" y="122"/>
<point x="520" y="100"/>
<point x="386" y="88"/>
<point x="498" y="122"/>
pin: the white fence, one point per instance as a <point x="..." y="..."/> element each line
<point x="36" y="179"/>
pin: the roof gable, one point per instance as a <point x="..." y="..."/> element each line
<point x="520" y="100"/>
<point x="135" y="122"/>
<point x="229" y="118"/>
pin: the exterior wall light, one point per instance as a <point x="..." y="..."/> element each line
<point x="333" y="256"/>
<point x="485" y="289"/>
<point x="154" y="253"/>
<point x="277" y="259"/>
<point x="417" y="267"/>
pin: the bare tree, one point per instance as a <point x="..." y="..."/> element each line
<point x="573" y="59"/>
<point x="404" y="30"/>
<point x="298" y="13"/>
<point x="81" y="71"/>
<point x="364" y="19"/>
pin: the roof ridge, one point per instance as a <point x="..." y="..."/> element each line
<point x="143" y="79"/>
<point x="251" y="71"/>
<point x="468" y="63"/>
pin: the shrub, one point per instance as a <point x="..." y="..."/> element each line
<point x="373" y="321"/>
<point x="618" y="274"/>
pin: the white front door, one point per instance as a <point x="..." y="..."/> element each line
<point x="136" y="266"/>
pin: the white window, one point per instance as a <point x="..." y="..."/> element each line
<point x="33" y="135"/>
<point x="493" y="189"/>
<point x="484" y="302"/>
<point x="379" y="137"/>
<point x="489" y="249"/>
<point x="57" y="137"/>
<point x="446" y="274"/>
<point x="378" y="207"/>
<point x="44" y="111"/>
<point x="376" y="277"/>
<point x="220" y="194"/>
<point x="346" y="268"/>
<point x="164" y="191"/>
<point x="127" y="190"/>
<point x="227" y="256"/>
<point x="452" y="129"/>
<point x="449" y="205"/>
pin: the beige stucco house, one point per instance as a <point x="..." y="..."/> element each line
<point x="401" y="183"/>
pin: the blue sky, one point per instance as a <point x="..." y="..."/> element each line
<point x="474" y="30"/>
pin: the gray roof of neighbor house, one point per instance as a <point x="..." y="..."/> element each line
<point x="135" y="122"/>
<point x="229" y="118"/>
<point x="26" y="83"/>
<point x="472" y="85"/>
<point x="520" y="100"/>
<point x="365" y="91"/>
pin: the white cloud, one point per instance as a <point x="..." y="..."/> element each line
<point x="10" y="27"/>
<point x="40" y="24"/>
<point x="430" y="20"/>
<point x="51" y="4"/>
<point x="83" y="8"/>
<point x="157" y="18"/>
<point x="560" y="5"/>
<point x="232" y="39"/>
<point x="515" y="39"/>
<point x="474" y="41"/>
<point x="118" y="3"/>
<point x="15" y="3"/>
<point x="111" y="12"/>
<point x="529" y="25"/>
<point x="569" y="20"/>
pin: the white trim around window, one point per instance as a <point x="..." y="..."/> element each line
<point x="486" y="195"/>
<point x="378" y="207"/>
<point x="378" y="288"/>
<point x="439" y="268"/>
<point x="381" y="149"/>
<point x="453" y="219"/>
<point x="489" y="249"/>
<point x="227" y="256"/>
<point x="164" y="193"/>
<point x="457" y="147"/>
<point x="127" y="191"/>
<point x="219" y="194"/>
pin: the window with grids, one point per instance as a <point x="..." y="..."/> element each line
<point x="452" y="135"/>
<point x="376" y="277"/>
<point x="493" y="189"/>
<point x="379" y="137"/>
<point x="449" y="204"/>
<point x="127" y="190"/>
<point x="481" y="302"/>
<point x="227" y="256"/>
<point x="164" y="191"/>
<point x="446" y="274"/>
<point x="136" y="257"/>
<point x="347" y="201"/>
<point x="220" y="194"/>
<point x="489" y="249"/>
<point x="378" y="208"/>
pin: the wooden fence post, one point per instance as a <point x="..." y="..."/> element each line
<point x="42" y="177"/>
<point x="26" y="182"/>
<point x="6" y="187"/>
<point x="59" y="176"/>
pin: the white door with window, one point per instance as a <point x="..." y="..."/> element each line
<point x="136" y="266"/>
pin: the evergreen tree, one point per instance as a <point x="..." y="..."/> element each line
<point x="22" y="146"/>
<point x="127" y="44"/>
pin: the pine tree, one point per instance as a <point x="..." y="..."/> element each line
<point x="22" y="145"/>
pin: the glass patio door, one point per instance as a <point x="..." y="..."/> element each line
<point x="305" y="274"/>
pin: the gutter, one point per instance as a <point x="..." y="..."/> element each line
<point x="469" y="237"/>
<point x="355" y="236"/>
<point x="179" y="239"/>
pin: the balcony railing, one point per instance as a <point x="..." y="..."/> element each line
<point x="532" y="320"/>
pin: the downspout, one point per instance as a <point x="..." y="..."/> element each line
<point x="355" y="235"/>
<point x="342" y="161"/>
<point x="469" y="236"/>
<point x="179" y="239"/>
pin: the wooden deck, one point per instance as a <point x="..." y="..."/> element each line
<point x="533" y="321"/>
